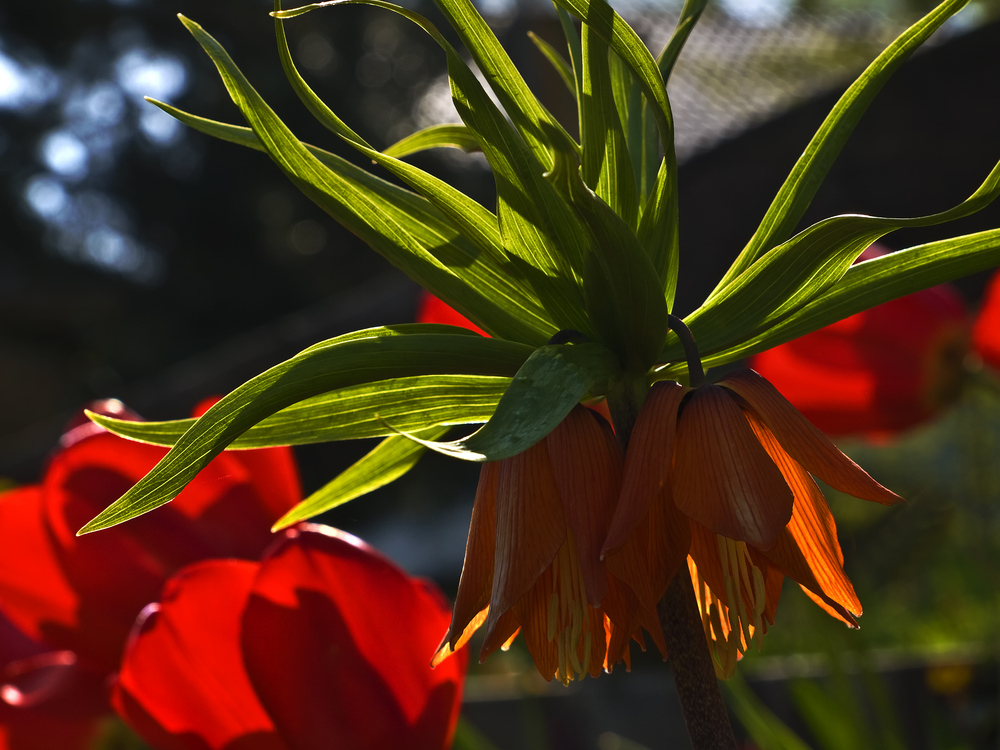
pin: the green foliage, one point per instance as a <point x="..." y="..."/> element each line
<point x="584" y="239"/>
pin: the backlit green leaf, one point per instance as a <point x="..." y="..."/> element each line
<point x="436" y="136"/>
<point x="358" y="411"/>
<point x="376" y="354"/>
<point x="386" y="463"/>
<point x="552" y="381"/>
<point x="811" y="168"/>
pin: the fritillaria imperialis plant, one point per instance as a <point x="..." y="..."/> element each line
<point x="578" y="537"/>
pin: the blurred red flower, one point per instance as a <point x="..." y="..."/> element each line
<point x="880" y="371"/>
<point x="324" y="643"/>
<point x="77" y="597"/>
<point x="986" y="330"/>
<point x="432" y="310"/>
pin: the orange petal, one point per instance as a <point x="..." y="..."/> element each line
<point x="808" y="550"/>
<point x="649" y="459"/>
<point x="530" y="527"/>
<point x="500" y="636"/>
<point x="804" y="442"/>
<point x="669" y="542"/>
<point x="832" y="608"/>
<point x="587" y="468"/>
<point x="722" y="477"/>
<point x="477" y="570"/>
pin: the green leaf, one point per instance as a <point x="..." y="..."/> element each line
<point x="689" y="16"/>
<point x="536" y="226"/>
<point x="474" y="221"/>
<point x="366" y="356"/>
<point x="525" y="111"/>
<point x="390" y="460"/>
<point x="791" y="274"/>
<point x="552" y="381"/>
<point x="873" y="282"/>
<point x="436" y="136"/>
<point x="660" y="238"/>
<point x="573" y="46"/>
<point x="358" y="411"/>
<point x="558" y="62"/>
<point x="807" y="175"/>
<point x="606" y="165"/>
<point x="766" y="730"/>
<point x="403" y="227"/>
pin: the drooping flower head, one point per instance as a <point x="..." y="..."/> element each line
<point x="732" y="461"/>
<point x="532" y="562"/>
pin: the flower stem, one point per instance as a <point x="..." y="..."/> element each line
<point x="705" y="713"/>
<point x="696" y="373"/>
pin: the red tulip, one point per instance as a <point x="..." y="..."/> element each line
<point x="324" y="643"/>
<point x="80" y="595"/>
<point x="46" y="701"/>
<point x="986" y="331"/>
<point x="882" y="370"/>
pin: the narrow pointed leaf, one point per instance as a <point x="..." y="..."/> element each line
<point x="572" y="45"/>
<point x="402" y="226"/>
<point x="807" y="175"/>
<point x="436" y="136"/>
<point x="348" y="413"/>
<point x="552" y="381"/>
<point x="558" y="62"/>
<point x="689" y="16"/>
<point x="535" y="224"/>
<point x="386" y="463"/>
<point x="382" y="353"/>
<point x="525" y="111"/>
<point x="660" y="237"/>
<point x="605" y="162"/>
<point x="474" y="221"/>
<point x="876" y="281"/>
<point x="804" y="267"/>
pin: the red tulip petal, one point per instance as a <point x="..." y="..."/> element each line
<point x="433" y="310"/>
<point x="531" y="526"/>
<point x="183" y="684"/>
<point x="986" y="331"/>
<point x="34" y="591"/>
<point x="477" y="571"/>
<point x="885" y="369"/>
<point x="338" y="643"/>
<point x="803" y="442"/>
<point x="723" y="478"/>
<point x="649" y="459"/>
<point x="587" y="468"/>
<point x="220" y="514"/>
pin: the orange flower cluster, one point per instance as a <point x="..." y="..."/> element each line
<point x="573" y="543"/>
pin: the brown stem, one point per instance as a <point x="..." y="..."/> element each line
<point x="701" y="700"/>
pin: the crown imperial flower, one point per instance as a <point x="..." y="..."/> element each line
<point x="532" y="562"/>
<point x="732" y="462"/>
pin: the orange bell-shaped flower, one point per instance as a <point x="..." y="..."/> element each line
<point x="532" y="562"/>
<point x="727" y="468"/>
